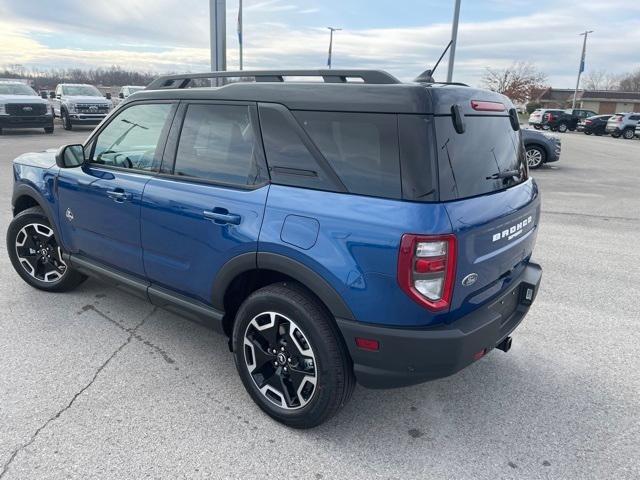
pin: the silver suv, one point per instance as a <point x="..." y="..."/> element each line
<point x="623" y="125"/>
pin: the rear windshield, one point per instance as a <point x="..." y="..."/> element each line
<point x="486" y="158"/>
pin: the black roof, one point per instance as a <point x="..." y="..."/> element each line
<point x="375" y="91"/>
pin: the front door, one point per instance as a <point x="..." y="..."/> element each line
<point x="208" y="206"/>
<point x="99" y="201"/>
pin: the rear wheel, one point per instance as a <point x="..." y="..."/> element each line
<point x="587" y="132"/>
<point x="537" y="127"/>
<point x="291" y="357"/>
<point x="562" y="127"/>
<point x="629" y="133"/>
<point x="615" y="134"/>
<point x="36" y="254"/>
<point x="536" y="156"/>
<point x="48" y="129"/>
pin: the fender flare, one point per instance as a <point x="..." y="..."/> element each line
<point x="285" y="265"/>
<point x="26" y="190"/>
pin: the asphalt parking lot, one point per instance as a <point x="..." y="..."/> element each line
<point x="98" y="384"/>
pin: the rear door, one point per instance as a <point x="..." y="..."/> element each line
<point x="99" y="201"/>
<point x="207" y="205"/>
<point x="493" y="205"/>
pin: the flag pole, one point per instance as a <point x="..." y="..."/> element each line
<point x="581" y="69"/>
<point x="240" y="31"/>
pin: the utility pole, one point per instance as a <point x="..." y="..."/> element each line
<point x="581" y="69"/>
<point x="218" y="32"/>
<point x="240" y="32"/>
<point x="454" y="40"/>
<point x="331" y="29"/>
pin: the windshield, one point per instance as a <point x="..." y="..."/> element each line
<point x="16" y="89"/>
<point x="86" y="90"/>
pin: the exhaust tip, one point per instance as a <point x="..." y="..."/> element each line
<point x="505" y="345"/>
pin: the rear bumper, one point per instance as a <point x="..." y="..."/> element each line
<point x="11" y="121"/>
<point x="411" y="356"/>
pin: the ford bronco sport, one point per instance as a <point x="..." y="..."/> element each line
<point x="353" y="229"/>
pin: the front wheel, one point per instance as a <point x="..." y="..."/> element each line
<point x="587" y="132"/>
<point x="48" y="129"/>
<point x="66" y="121"/>
<point x="36" y="254"/>
<point x="562" y="128"/>
<point x="291" y="357"/>
<point x="535" y="156"/>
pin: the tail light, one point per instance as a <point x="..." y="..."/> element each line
<point x="426" y="269"/>
<point x="588" y="122"/>
<point x="482" y="106"/>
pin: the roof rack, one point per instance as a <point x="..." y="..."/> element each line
<point x="329" y="76"/>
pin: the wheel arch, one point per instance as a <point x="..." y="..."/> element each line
<point x="539" y="145"/>
<point x="248" y="272"/>
<point x="26" y="196"/>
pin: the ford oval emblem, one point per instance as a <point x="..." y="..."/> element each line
<point x="469" y="279"/>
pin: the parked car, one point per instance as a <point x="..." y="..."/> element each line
<point x="638" y="129"/>
<point x="563" y="120"/>
<point x="594" y="125"/>
<point x="368" y="231"/>
<point x="125" y="91"/>
<point x="21" y="107"/>
<point x="535" y="119"/>
<point x="80" y="104"/>
<point x="623" y="124"/>
<point x="540" y="148"/>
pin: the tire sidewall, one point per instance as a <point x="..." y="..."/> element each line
<point x="625" y="134"/>
<point x="326" y="365"/>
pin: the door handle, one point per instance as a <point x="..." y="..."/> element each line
<point x="118" y="195"/>
<point x="221" y="216"/>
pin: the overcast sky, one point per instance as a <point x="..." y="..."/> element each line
<point x="401" y="36"/>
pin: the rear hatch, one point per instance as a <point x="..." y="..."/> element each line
<point x="493" y="205"/>
<point x="614" y="122"/>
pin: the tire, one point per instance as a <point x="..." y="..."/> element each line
<point x="535" y="155"/>
<point x="615" y="134"/>
<point x="66" y="121"/>
<point x="315" y="352"/>
<point x="628" y="134"/>
<point x="545" y="127"/>
<point x="36" y="255"/>
<point x="537" y="127"/>
<point x="562" y="127"/>
<point x="48" y="129"/>
<point x="587" y="133"/>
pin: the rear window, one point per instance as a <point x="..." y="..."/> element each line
<point x="362" y="148"/>
<point x="486" y="158"/>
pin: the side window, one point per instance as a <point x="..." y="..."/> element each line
<point x="131" y="138"/>
<point x="361" y="147"/>
<point x="634" y="117"/>
<point x="290" y="161"/>
<point x="218" y="143"/>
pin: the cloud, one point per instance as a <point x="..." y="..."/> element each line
<point x="164" y="35"/>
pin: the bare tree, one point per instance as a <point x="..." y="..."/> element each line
<point x="519" y="81"/>
<point x="600" y="80"/>
<point x="630" y="82"/>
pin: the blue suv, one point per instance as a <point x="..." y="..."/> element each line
<point x="352" y="229"/>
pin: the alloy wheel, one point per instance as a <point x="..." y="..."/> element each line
<point x="534" y="157"/>
<point x="280" y="360"/>
<point x="39" y="253"/>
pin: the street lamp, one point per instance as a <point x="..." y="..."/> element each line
<point x="581" y="68"/>
<point x="331" y="29"/>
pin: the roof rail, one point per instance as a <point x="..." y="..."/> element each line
<point x="329" y="76"/>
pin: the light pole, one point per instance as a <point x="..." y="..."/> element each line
<point x="454" y="39"/>
<point x="218" y="32"/>
<point x="581" y="68"/>
<point x="240" y="31"/>
<point x="331" y="29"/>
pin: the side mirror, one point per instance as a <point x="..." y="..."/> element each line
<point x="70" y="156"/>
<point x="44" y="95"/>
<point x="52" y="94"/>
<point x="121" y="95"/>
<point x="108" y="95"/>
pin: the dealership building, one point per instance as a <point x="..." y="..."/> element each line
<point x="601" y="101"/>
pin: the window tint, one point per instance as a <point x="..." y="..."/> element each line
<point x="218" y="143"/>
<point x="361" y="147"/>
<point x="131" y="138"/>
<point x="290" y="161"/>
<point x="634" y="117"/>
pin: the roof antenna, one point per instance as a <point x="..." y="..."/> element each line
<point x="427" y="75"/>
